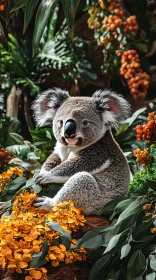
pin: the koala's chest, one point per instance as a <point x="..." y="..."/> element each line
<point x="65" y="153"/>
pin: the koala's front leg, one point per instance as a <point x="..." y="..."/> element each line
<point x="52" y="161"/>
<point x="82" y="189"/>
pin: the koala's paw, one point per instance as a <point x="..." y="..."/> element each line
<point x="42" y="178"/>
<point x="43" y="202"/>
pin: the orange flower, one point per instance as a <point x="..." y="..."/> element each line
<point x="25" y="232"/>
<point x="153" y="230"/>
<point x="6" y="177"/>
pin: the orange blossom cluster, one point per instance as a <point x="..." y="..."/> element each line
<point x="138" y="81"/>
<point x="5" y="156"/>
<point x="119" y="18"/>
<point x="147" y="131"/>
<point x="25" y="232"/>
<point x="143" y="157"/>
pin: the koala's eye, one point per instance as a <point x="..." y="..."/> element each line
<point x="85" y="123"/>
<point x="61" y="123"/>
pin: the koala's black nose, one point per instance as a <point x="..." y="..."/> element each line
<point x="70" y="129"/>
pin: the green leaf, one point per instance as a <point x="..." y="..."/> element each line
<point x="15" y="184"/>
<point x="30" y="183"/>
<point x="91" y="240"/>
<point x="134" y="208"/>
<point x="14" y="41"/>
<point x="39" y="258"/>
<point x="28" y="13"/>
<point x="36" y="188"/>
<point x="121" y="129"/>
<point x="142" y="230"/>
<point x="142" y="190"/>
<point x="136" y="265"/>
<point x="109" y="207"/>
<point x="48" y="134"/>
<point x="153" y="263"/>
<point x="134" y="116"/>
<point x="18" y="138"/>
<point x="152" y="184"/>
<point x="125" y="251"/>
<point x="121" y="206"/>
<point x="7" y="213"/>
<point x="151" y="276"/>
<point x="67" y="237"/>
<point x="70" y="8"/>
<point x="18" y="5"/>
<point x="99" y="268"/>
<point x="115" y="240"/>
<point x="42" y="17"/>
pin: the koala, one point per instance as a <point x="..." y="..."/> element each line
<point x="86" y="157"/>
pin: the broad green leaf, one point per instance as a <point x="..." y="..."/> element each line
<point x="109" y="207"/>
<point x="99" y="268"/>
<point x="151" y="276"/>
<point x="125" y="251"/>
<point x="121" y="129"/>
<point x="15" y="184"/>
<point x="30" y="183"/>
<point x="91" y="240"/>
<point x="28" y="12"/>
<point x="42" y="16"/>
<point x="136" y="265"/>
<point x="121" y="206"/>
<point x="70" y="8"/>
<point x="134" y="208"/>
<point x="36" y="188"/>
<point x="39" y="258"/>
<point x="55" y="226"/>
<point x="153" y="262"/>
<point x="18" y="5"/>
<point x="115" y="240"/>
<point x="134" y="116"/>
<point x="142" y="190"/>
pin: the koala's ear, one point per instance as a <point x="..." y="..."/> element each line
<point x="114" y="107"/>
<point x="46" y="105"/>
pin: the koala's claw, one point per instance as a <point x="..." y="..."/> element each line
<point x="35" y="175"/>
<point x="41" y="178"/>
<point x="43" y="202"/>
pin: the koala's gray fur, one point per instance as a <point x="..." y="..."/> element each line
<point x="91" y="165"/>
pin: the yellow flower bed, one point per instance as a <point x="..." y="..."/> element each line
<point x="25" y="232"/>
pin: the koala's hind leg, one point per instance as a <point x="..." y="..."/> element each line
<point x="82" y="189"/>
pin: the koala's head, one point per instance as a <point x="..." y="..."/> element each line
<point x="80" y="121"/>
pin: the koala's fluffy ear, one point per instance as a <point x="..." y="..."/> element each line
<point x="114" y="107"/>
<point x="46" y="105"/>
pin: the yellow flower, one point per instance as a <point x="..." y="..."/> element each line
<point x="25" y="232"/>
